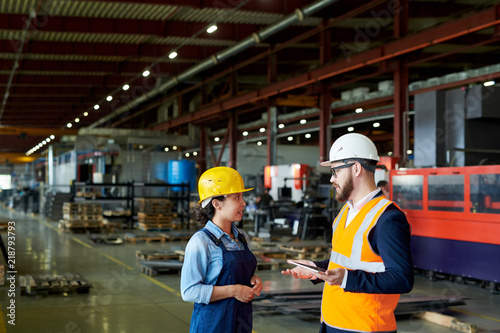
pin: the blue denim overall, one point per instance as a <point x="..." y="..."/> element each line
<point x="227" y="315"/>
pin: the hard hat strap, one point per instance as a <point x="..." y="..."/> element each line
<point x="366" y="164"/>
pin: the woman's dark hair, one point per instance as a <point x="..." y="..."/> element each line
<point x="203" y="215"/>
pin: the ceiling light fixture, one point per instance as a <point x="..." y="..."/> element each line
<point x="259" y="143"/>
<point x="303" y="121"/>
<point x="96" y="107"/>
<point x="376" y="125"/>
<point x="281" y="126"/>
<point x="245" y="133"/>
<point x="126" y="87"/>
<point x="172" y="55"/>
<point x="68" y="125"/>
<point x="358" y="110"/>
<point x="85" y="114"/>
<point x="211" y="29"/>
<point x="262" y="130"/>
<point x="109" y="98"/>
<point x="77" y="120"/>
<point x="290" y="138"/>
<point x="488" y="83"/>
<point x="216" y="139"/>
<point x="350" y="129"/>
<point x="308" y="135"/>
<point x="146" y="73"/>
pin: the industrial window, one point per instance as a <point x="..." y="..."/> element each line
<point x="407" y="191"/>
<point x="446" y="193"/>
<point x="485" y="193"/>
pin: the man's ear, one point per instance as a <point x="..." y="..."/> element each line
<point x="357" y="168"/>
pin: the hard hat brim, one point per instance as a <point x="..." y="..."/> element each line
<point x="220" y="194"/>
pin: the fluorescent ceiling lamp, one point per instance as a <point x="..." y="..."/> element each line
<point x="212" y="28"/>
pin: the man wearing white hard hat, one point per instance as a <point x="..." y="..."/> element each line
<point x="370" y="264"/>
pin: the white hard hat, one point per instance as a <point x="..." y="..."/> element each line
<point x="352" y="145"/>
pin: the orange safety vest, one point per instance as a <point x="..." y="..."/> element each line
<point x="351" y="249"/>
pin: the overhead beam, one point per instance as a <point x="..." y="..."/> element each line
<point x="36" y="131"/>
<point x="17" y="158"/>
<point x="429" y="37"/>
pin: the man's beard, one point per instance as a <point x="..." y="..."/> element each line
<point x="345" y="191"/>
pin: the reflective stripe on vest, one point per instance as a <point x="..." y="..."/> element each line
<point x="351" y="249"/>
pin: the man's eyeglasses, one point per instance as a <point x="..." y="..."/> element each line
<point x="334" y="170"/>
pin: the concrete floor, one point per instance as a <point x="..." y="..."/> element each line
<point x="124" y="300"/>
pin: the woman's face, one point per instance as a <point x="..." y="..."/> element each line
<point x="232" y="208"/>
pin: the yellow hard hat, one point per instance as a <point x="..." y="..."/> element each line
<point x="220" y="181"/>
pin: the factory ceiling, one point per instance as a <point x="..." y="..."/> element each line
<point x="64" y="64"/>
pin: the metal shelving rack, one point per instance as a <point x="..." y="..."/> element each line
<point x="178" y="193"/>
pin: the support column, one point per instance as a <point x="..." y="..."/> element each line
<point x="233" y="144"/>
<point x="202" y="160"/>
<point x="400" y="108"/>
<point x="272" y="128"/>
<point x="325" y="120"/>
<point x="401" y="104"/>
<point x="272" y="113"/>
<point x="50" y="165"/>
<point x="325" y="98"/>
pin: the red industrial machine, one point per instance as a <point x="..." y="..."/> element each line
<point x="455" y="219"/>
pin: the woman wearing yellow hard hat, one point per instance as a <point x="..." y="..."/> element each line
<point x="218" y="270"/>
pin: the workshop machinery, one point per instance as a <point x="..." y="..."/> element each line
<point x="454" y="213"/>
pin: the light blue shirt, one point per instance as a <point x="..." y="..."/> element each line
<point x="203" y="262"/>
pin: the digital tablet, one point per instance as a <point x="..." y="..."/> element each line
<point x="309" y="267"/>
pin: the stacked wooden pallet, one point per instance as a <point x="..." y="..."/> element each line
<point x="306" y="250"/>
<point x="156" y="262"/>
<point x="58" y="284"/>
<point x="81" y="217"/>
<point x="155" y="214"/>
<point x="274" y="255"/>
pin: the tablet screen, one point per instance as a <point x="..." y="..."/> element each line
<point x="309" y="267"/>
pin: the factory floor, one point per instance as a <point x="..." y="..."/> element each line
<point x="123" y="300"/>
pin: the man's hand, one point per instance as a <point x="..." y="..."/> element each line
<point x="333" y="277"/>
<point x="301" y="272"/>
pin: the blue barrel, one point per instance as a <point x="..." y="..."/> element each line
<point x="161" y="170"/>
<point x="182" y="172"/>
